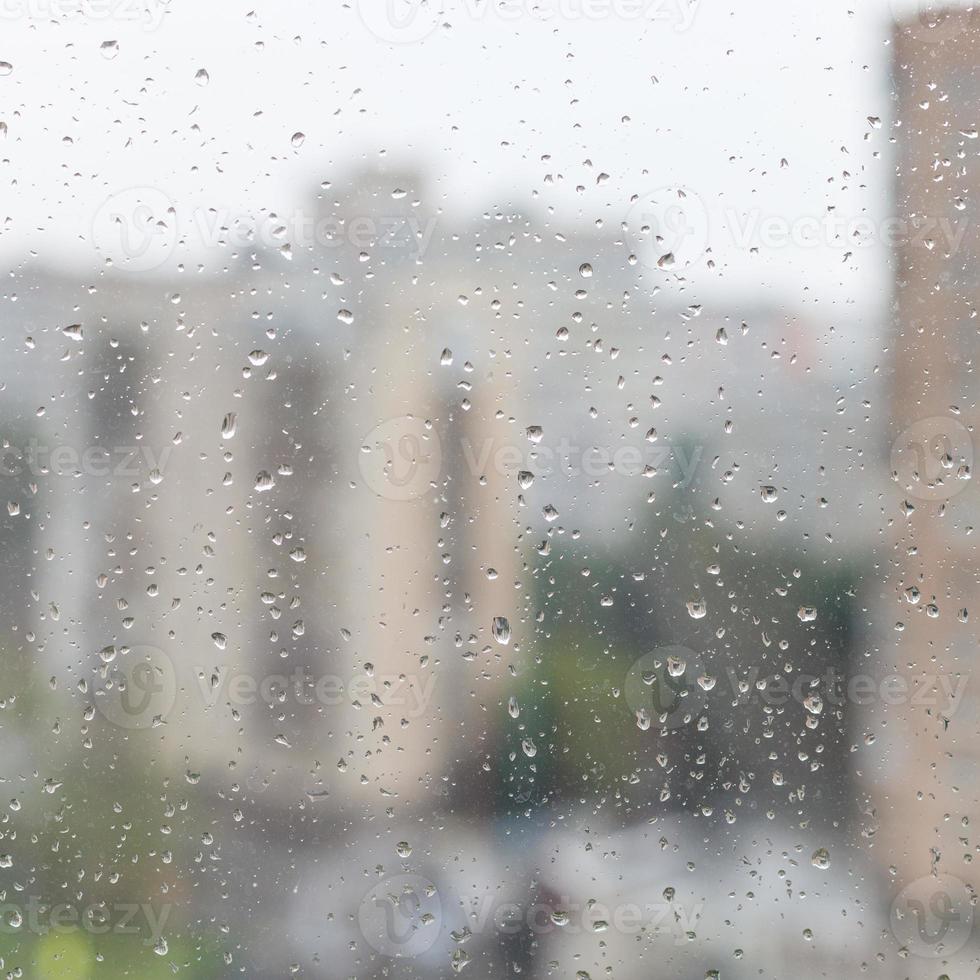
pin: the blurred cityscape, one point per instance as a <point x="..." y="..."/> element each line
<point x="414" y="597"/>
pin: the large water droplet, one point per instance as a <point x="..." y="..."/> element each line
<point x="501" y="630"/>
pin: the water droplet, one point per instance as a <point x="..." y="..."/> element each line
<point x="501" y="630"/>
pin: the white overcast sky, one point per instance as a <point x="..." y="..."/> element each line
<point x="478" y="103"/>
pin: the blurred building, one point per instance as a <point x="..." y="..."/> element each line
<point x="334" y="491"/>
<point x="924" y="762"/>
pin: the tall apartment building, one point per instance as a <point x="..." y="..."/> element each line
<point x="922" y="771"/>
